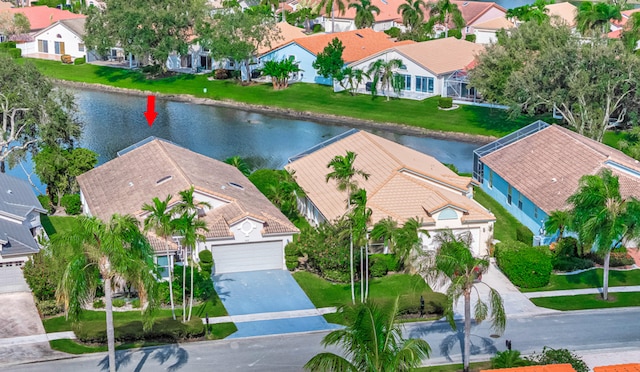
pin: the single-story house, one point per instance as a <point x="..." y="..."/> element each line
<point x="19" y="221"/>
<point x="486" y="31"/>
<point x="358" y="44"/>
<point x="562" y="14"/>
<point x="425" y="66"/>
<point x="403" y="184"/>
<point x="246" y="232"/>
<point x="533" y="171"/>
<point x="63" y="37"/>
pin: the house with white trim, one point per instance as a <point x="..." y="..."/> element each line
<point x="63" y="37"/>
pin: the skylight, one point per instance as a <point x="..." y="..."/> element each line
<point x="163" y="180"/>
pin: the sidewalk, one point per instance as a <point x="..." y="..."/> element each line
<point x="574" y="292"/>
<point x="45" y="337"/>
<point x="270" y="316"/>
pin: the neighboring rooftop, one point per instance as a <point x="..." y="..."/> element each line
<point x="546" y="166"/>
<point x="495" y="24"/>
<point x="17" y="199"/>
<point x="42" y="16"/>
<point x="631" y="367"/>
<point x="564" y="13"/>
<point x="287" y="32"/>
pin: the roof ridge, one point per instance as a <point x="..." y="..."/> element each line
<point x="173" y="162"/>
<point x="584" y="141"/>
<point x="378" y="145"/>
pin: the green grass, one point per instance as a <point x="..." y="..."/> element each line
<point x="476" y="366"/>
<point x="301" y="97"/>
<point x="506" y="225"/>
<point x="58" y="224"/>
<point x="590" y="301"/>
<point x="73" y="347"/>
<point x="589" y="279"/>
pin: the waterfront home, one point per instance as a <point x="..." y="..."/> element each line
<point x="403" y="184"/>
<point x="19" y="221"/>
<point x="428" y="68"/>
<point x="533" y="171"/>
<point x="562" y="14"/>
<point x="357" y="44"/>
<point x="486" y="32"/>
<point x="246" y="232"/>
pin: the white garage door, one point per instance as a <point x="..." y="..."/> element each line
<point x="248" y="257"/>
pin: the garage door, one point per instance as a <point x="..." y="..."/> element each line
<point x="248" y="257"/>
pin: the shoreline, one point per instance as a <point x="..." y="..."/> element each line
<point x="304" y="115"/>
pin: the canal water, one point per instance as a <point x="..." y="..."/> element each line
<point x="114" y="121"/>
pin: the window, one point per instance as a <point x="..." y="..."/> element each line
<point x="43" y="46"/>
<point x="519" y="201"/>
<point x="403" y="67"/>
<point x="509" y="193"/>
<point x="59" y="47"/>
<point x="490" y="179"/>
<point x="407" y="82"/>
<point x="81" y="47"/>
<point x="535" y="213"/>
<point x="424" y="84"/>
<point x="163" y="263"/>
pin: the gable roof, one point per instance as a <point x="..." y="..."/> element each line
<point x="546" y="166"/>
<point x="566" y="367"/>
<point x="430" y="54"/>
<point x="288" y="33"/>
<point x="626" y="14"/>
<point x="17" y="199"/>
<point x="75" y="25"/>
<point x="403" y="183"/>
<point x="495" y="24"/>
<point x="357" y="43"/>
<point x="159" y="168"/>
<point x="42" y="16"/>
<point x="630" y="367"/>
<point x="565" y="12"/>
<point x="473" y="10"/>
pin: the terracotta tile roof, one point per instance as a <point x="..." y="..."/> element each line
<point x="159" y="245"/>
<point x="548" y="368"/>
<point x="631" y="367"/>
<point x="495" y="24"/>
<point x="472" y="10"/>
<point x="617" y="34"/>
<point x="357" y="44"/>
<point x="288" y="33"/>
<point x="566" y="12"/>
<point x="626" y="14"/>
<point x="160" y="168"/>
<point x="42" y="16"/>
<point x="546" y="166"/>
<point x="399" y="176"/>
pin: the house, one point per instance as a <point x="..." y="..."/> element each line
<point x="617" y="27"/>
<point x="403" y="184"/>
<point x="476" y="13"/>
<point x="533" y="171"/>
<point x="426" y="66"/>
<point x="357" y="45"/>
<point x="562" y="14"/>
<point x="246" y="232"/>
<point x="486" y="31"/>
<point x="19" y="221"/>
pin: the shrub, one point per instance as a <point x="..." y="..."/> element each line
<point x="163" y="293"/>
<point x="567" y="247"/>
<point x="167" y="329"/>
<point x="434" y="303"/>
<point x="559" y="356"/>
<point x="616" y="259"/>
<point x="454" y="32"/>
<point x="98" y="304"/>
<point x="220" y="74"/>
<point x="135" y="303"/>
<point x="151" y="69"/>
<point x="317" y="28"/>
<point x="45" y="202"/>
<point x="42" y="275"/>
<point x="118" y="302"/>
<point x="206" y="262"/>
<point x="14" y="53"/>
<point x="65" y="58"/>
<point x="508" y="359"/>
<point x="445" y="102"/>
<point x="71" y="204"/>
<point x="571" y="263"/>
<point x="49" y="308"/>
<point x="524" y="235"/>
<point x="8" y="45"/>
<point x="203" y="285"/>
<point x="377" y="266"/>
<point x="393" y="32"/>
<point x="526" y="266"/>
<point x="80" y="61"/>
<point x="470" y="37"/>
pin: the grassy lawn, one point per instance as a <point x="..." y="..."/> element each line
<point x="505" y="227"/>
<point x="57" y="224"/>
<point x="476" y="366"/>
<point x="590" y="301"/>
<point x="589" y="279"/>
<point x="300" y="97"/>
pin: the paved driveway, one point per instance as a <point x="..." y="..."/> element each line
<point x="269" y="291"/>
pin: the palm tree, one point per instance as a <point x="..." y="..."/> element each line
<point x="385" y="230"/>
<point x="602" y="217"/>
<point x="444" y="12"/>
<point x="239" y="163"/>
<point x="593" y="19"/>
<point x="408" y="241"/>
<point x="328" y="6"/>
<point x="412" y="13"/>
<point x="360" y="217"/>
<point x="384" y="72"/>
<point x="508" y="359"/>
<point x="558" y="221"/>
<point x="453" y="264"/>
<point x="190" y="228"/>
<point x="364" y="13"/>
<point x="110" y="252"/>
<point x="159" y="220"/>
<point x="373" y="342"/>
<point x="187" y="207"/>
<point x="350" y="78"/>
<point x="343" y="173"/>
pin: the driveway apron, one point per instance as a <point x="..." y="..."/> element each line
<point x="268" y="291"/>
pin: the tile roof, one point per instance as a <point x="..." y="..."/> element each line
<point x="42" y="16"/>
<point x="399" y="176"/>
<point x="472" y="10"/>
<point x="288" y="33"/>
<point x="546" y="166"/>
<point x="566" y="12"/>
<point x="495" y="24"/>
<point x="5" y="5"/>
<point x="626" y="14"/>
<point x="547" y="368"/>
<point x="357" y="43"/>
<point x="16" y="239"/>
<point x="159" y="245"/>
<point x="17" y="197"/>
<point x="631" y="367"/>
<point x="124" y="184"/>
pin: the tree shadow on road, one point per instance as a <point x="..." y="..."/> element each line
<point x="172" y="353"/>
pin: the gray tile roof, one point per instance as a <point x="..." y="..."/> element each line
<point x="17" y="197"/>
<point x="16" y="239"/>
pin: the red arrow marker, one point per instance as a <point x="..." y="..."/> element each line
<point x="151" y="113"/>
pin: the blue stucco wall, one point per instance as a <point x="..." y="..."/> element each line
<point x="302" y="56"/>
<point x="499" y="192"/>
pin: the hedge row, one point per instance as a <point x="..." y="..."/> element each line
<point x="525" y="266"/>
<point x="94" y="331"/>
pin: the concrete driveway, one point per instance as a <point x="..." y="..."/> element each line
<point x="269" y="291"/>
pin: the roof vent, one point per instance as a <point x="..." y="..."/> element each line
<point x="130" y="184"/>
<point x="465" y="3"/>
<point x="236" y="185"/>
<point x="9" y="191"/>
<point x="163" y="180"/>
<point x="360" y="36"/>
<point x="554" y="180"/>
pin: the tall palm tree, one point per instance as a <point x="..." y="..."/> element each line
<point x="593" y="18"/>
<point x="558" y="221"/>
<point x="328" y="6"/>
<point x="602" y="216"/>
<point x="190" y="228"/>
<point x="454" y="265"/>
<point x="444" y="12"/>
<point x="385" y="229"/>
<point x="412" y="13"/>
<point x="239" y="163"/>
<point x="344" y="173"/>
<point x="384" y="72"/>
<point x="364" y="13"/>
<point x="373" y="342"/>
<point x="159" y="220"/>
<point x="360" y="217"/>
<point x="108" y="252"/>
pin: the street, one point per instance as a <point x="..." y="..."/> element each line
<point x="579" y="330"/>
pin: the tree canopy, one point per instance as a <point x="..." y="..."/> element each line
<point x="329" y="62"/>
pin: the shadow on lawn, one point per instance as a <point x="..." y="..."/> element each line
<point x="163" y="354"/>
<point x="590" y="278"/>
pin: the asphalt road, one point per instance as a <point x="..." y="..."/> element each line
<point x="579" y="330"/>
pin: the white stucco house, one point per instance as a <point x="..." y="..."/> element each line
<point x="246" y="232"/>
<point x="63" y="37"/>
<point x="403" y="184"/>
<point x="19" y="221"/>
